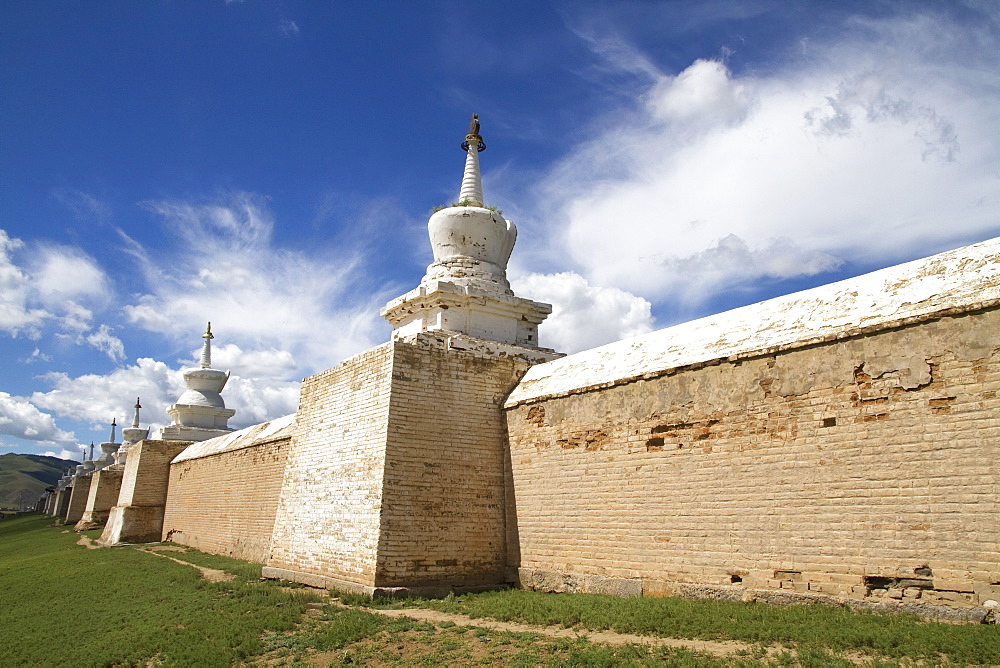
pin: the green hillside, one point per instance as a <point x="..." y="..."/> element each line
<point x="23" y="478"/>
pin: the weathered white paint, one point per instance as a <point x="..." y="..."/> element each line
<point x="465" y="289"/>
<point x="963" y="279"/>
<point x="244" y="438"/>
<point x="200" y="413"/>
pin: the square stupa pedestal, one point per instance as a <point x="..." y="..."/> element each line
<point x="467" y="309"/>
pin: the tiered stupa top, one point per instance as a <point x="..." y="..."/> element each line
<point x="108" y="449"/>
<point x="465" y="290"/>
<point x="200" y="413"/>
<point x="131" y="436"/>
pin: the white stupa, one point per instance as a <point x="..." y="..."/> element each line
<point x="200" y="413"/>
<point x="88" y="463"/>
<point x="108" y="449"/>
<point x="131" y="436"/>
<point x="80" y="468"/>
<point x="465" y="289"/>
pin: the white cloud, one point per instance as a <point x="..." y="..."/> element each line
<point x="701" y="96"/>
<point x="63" y="274"/>
<point x="17" y="316"/>
<point x="871" y="148"/>
<point x="37" y="356"/>
<point x="83" y="205"/>
<point x="584" y="316"/>
<point x="56" y="285"/>
<point x="107" y="343"/>
<point x="258" y="400"/>
<point x="269" y="363"/>
<point x="22" y="419"/>
<point x="288" y="28"/>
<point x="72" y="455"/>
<point x="96" y="399"/>
<point x="285" y="312"/>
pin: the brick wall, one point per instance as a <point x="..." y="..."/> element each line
<point x="105" y="486"/>
<point x="78" y="498"/>
<point x="443" y="501"/>
<point x="147" y="472"/>
<point x="867" y="467"/>
<point x="138" y="515"/>
<point x="225" y="503"/>
<point x="396" y="470"/>
<point x="327" y="521"/>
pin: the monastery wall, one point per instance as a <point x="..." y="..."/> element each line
<point x="864" y="467"/>
<point x="223" y="493"/>
<point x="105" y="487"/>
<point x="78" y="498"/>
<point x="396" y="470"/>
<point x="443" y="510"/>
<point x="327" y="521"/>
<point x="138" y="515"/>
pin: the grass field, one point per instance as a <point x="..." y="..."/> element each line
<point x="66" y="605"/>
<point x="812" y="629"/>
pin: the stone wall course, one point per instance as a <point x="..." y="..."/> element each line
<point x="837" y="461"/>
<point x="225" y="503"/>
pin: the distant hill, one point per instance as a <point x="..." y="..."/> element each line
<point x="23" y="478"/>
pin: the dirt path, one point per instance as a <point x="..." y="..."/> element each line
<point x="716" y="648"/>
<point x="88" y="543"/>
<point x="210" y="574"/>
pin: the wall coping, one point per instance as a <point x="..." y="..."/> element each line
<point x="273" y="430"/>
<point x="951" y="283"/>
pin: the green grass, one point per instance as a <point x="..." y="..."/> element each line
<point x="813" y="630"/>
<point x="66" y="605"/>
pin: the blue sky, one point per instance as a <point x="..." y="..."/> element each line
<point x="270" y="166"/>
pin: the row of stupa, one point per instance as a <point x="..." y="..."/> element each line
<point x="200" y="413"/>
<point x="465" y="290"/>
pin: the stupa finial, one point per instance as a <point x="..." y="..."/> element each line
<point x="135" y="420"/>
<point x="471" y="193"/>
<point x="91" y="451"/>
<point x="114" y="425"/>
<point x="206" y="350"/>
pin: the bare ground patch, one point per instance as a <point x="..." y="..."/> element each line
<point x="210" y="574"/>
<point x="716" y="648"/>
<point x="88" y="543"/>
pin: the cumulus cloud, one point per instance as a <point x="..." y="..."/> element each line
<point x="56" y="285"/>
<point x="17" y="315"/>
<point x="72" y="455"/>
<point x="107" y="343"/>
<point x="315" y="305"/>
<point x="22" y="419"/>
<point x="868" y="148"/>
<point x="97" y="398"/>
<point x="257" y="400"/>
<point x="269" y="363"/>
<point x="584" y="316"/>
<point x="702" y="96"/>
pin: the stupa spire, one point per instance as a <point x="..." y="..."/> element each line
<point x="130" y="436"/>
<point x="472" y="184"/>
<point x="206" y="350"/>
<point x="108" y="449"/>
<point x="200" y="412"/>
<point x="465" y="290"/>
